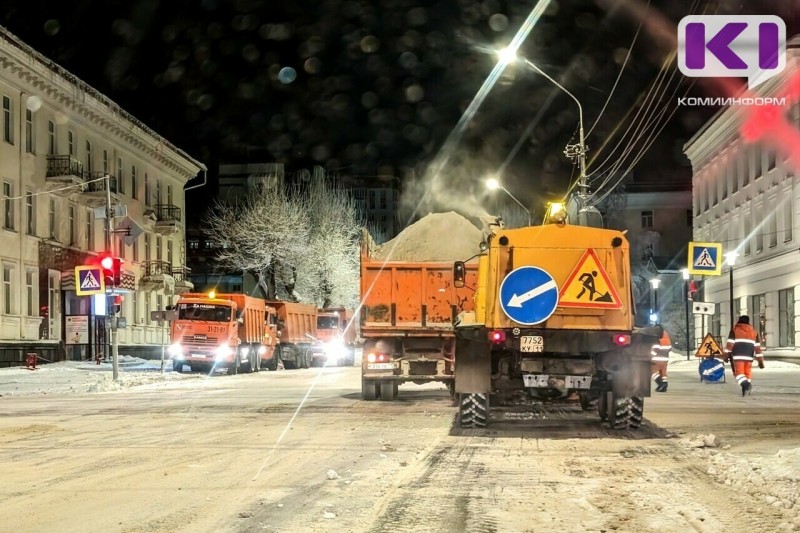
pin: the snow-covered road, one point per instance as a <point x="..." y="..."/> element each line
<point x="187" y="452"/>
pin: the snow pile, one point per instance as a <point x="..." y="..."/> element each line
<point x="773" y="479"/>
<point x="435" y="237"/>
<point x="70" y="377"/>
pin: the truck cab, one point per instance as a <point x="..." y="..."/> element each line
<point x="335" y="340"/>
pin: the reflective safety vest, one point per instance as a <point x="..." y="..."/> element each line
<point x="743" y="343"/>
<point x="660" y="351"/>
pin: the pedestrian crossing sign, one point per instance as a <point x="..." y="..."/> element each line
<point x="89" y="280"/>
<point x="589" y="286"/>
<point x="705" y="258"/>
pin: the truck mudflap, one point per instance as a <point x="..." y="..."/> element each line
<point x="473" y="368"/>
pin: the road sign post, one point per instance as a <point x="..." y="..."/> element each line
<point x="528" y="295"/>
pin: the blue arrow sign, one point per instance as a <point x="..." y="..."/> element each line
<point x="529" y="295"/>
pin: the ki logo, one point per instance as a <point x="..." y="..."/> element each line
<point x="751" y="46"/>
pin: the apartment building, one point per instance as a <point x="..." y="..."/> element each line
<point x="746" y="197"/>
<point x="65" y="150"/>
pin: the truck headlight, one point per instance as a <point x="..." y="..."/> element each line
<point x="175" y="350"/>
<point x="224" y="351"/>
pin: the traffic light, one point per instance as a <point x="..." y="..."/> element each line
<point x="112" y="269"/>
<point x="117" y="304"/>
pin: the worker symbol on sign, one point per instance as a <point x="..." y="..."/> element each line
<point x="711" y="349"/>
<point x="587" y="280"/>
<point x="705" y="259"/>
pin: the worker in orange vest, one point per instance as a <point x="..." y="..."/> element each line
<point x="659" y="360"/>
<point x="742" y="347"/>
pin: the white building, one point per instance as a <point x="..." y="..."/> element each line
<point x="746" y="196"/>
<point x="59" y="138"/>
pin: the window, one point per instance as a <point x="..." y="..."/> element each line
<point x="135" y="307"/>
<point x="712" y="192"/>
<point x="135" y="250"/>
<point x="71" y="143"/>
<point x="146" y="190"/>
<point x="30" y="214"/>
<point x="147" y="307"/>
<point x="786" y="317"/>
<point x="134" y="184"/>
<point x="105" y="162"/>
<point x="8" y="125"/>
<point x="747" y="227"/>
<point x="147" y="247"/>
<point x="29" y="132"/>
<point x="51" y="137"/>
<point x="744" y="167"/>
<point x="724" y="176"/>
<point x="755" y="153"/>
<point x="51" y="220"/>
<point x="383" y="199"/>
<point x="788" y="217"/>
<point x="770" y="159"/>
<point x="89" y="167"/>
<point x="158" y="248"/>
<point x="773" y="228"/>
<point x="90" y="230"/>
<point x="734" y="169"/>
<point x="647" y="219"/>
<point x="759" y="213"/>
<point x="29" y="307"/>
<point x="758" y="314"/>
<point x="120" y="176"/>
<point x="169" y="252"/>
<point x="8" y="206"/>
<point x="194" y="244"/>
<point x="72" y="221"/>
<point x="169" y="194"/>
<point x="158" y="192"/>
<point x="7" y="307"/>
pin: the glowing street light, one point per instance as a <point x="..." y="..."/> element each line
<point x="655" y="282"/>
<point x="493" y="184"/>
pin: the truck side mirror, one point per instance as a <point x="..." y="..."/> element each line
<point x="459" y="273"/>
<point x="240" y="320"/>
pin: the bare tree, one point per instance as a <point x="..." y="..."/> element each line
<point x="265" y="234"/>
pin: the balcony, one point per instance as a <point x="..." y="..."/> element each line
<point x="182" y="282"/>
<point x="168" y="219"/>
<point x="94" y="190"/>
<point x="63" y="171"/>
<point x="157" y="275"/>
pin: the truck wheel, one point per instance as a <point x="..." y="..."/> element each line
<point x="587" y="402"/>
<point x="388" y="390"/>
<point x="618" y="411"/>
<point x="635" y="412"/>
<point x="273" y="363"/>
<point x="257" y="362"/>
<point x="233" y="368"/>
<point x="177" y="366"/>
<point x="602" y="407"/>
<point x="369" y="390"/>
<point x="474" y="410"/>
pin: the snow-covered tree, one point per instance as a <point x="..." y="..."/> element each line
<point x="301" y="246"/>
<point x="329" y="275"/>
<point x="266" y="234"/>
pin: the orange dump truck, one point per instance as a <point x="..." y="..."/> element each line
<point x="296" y="331"/>
<point x="407" y="323"/>
<point x="231" y="331"/>
<point x="336" y="337"/>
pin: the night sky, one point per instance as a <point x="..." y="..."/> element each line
<point x="374" y="87"/>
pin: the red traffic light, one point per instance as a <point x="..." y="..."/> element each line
<point x="107" y="262"/>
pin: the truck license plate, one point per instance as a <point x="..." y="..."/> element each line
<point x="531" y="343"/>
<point x="380" y="366"/>
<point x="199" y="355"/>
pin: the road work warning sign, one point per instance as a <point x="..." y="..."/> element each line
<point x="589" y="286"/>
<point x="709" y="348"/>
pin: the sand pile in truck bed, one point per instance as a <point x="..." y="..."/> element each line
<point x="435" y="237"/>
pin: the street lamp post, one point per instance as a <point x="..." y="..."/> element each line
<point x="685" y="272"/>
<point x="493" y="184"/>
<point x="730" y="258"/>
<point x="655" y="283"/>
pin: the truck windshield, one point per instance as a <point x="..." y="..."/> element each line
<point x="327" y="322"/>
<point x="208" y="312"/>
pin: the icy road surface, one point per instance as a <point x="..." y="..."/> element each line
<point x="187" y="452"/>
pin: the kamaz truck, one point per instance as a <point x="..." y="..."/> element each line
<point x="552" y="321"/>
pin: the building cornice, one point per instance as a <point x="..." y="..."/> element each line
<point x="68" y="91"/>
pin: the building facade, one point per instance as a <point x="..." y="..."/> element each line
<point x="746" y="196"/>
<point x="66" y="152"/>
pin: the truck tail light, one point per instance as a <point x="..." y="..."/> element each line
<point x="378" y="357"/>
<point x="497" y="336"/>
<point x="621" y="339"/>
